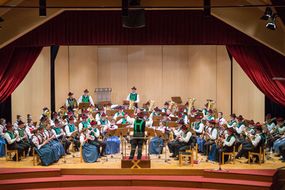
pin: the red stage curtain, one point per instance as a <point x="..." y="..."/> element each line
<point x="162" y="28"/>
<point x="15" y="64"/>
<point x="261" y="64"/>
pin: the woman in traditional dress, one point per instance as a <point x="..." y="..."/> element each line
<point x="156" y="143"/>
<point x="89" y="151"/>
<point x="2" y="140"/>
<point x="46" y="154"/>
<point x="112" y="142"/>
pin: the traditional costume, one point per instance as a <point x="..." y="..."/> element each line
<point x="89" y="151"/>
<point x="85" y="98"/>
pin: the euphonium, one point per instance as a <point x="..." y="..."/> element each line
<point x="151" y="105"/>
<point x="191" y="102"/>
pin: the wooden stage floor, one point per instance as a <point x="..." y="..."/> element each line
<point x="73" y="161"/>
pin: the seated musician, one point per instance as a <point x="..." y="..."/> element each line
<point x="84" y="123"/>
<point x="2" y="139"/>
<point x="95" y="132"/>
<point x="70" y="102"/>
<point x="211" y="136"/>
<point x="239" y="128"/>
<point x="156" y="112"/>
<point x="60" y="135"/>
<point x="46" y="154"/>
<point x="18" y="119"/>
<point x="198" y="127"/>
<point x="120" y="113"/>
<point x="205" y="111"/>
<point x="233" y="121"/>
<point x="126" y="120"/>
<point x="254" y="141"/>
<point x="133" y="96"/>
<point x="54" y="143"/>
<point x="156" y="143"/>
<point x="269" y="121"/>
<point x="137" y="134"/>
<point x="11" y="138"/>
<point x="98" y="114"/>
<point x="29" y="127"/>
<point x="86" y="98"/>
<point x="221" y="120"/>
<point x="210" y="116"/>
<point x="182" y="142"/>
<point x="89" y="150"/>
<point x="112" y="142"/>
<point x="276" y="133"/>
<point x="281" y="136"/>
<point x="228" y="143"/>
<point x="103" y="120"/>
<point x="23" y="139"/>
<point x="72" y="133"/>
<point x="165" y="107"/>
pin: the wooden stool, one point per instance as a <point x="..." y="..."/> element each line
<point x="80" y="150"/>
<point x="230" y="154"/>
<point x="260" y="154"/>
<point x="188" y="154"/>
<point x="9" y="153"/>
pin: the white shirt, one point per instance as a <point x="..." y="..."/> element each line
<point x="185" y="137"/>
<point x="67" y="131"/>
<point x="28" y="130"/>
<point x="239" y="129"/>
<point x="8" y="138"/>
<point x="214" y="134"/>
<point x="200" y="129"/>
<point x="221" y="121"/>
<point x="36" y="142"/>
<point x="90" y="100"/>
<point x="57" y="136"/>
<point x="256" y="140"/>
<point x="81" y="126"/>
<point x="2" y="131"/>
<point x="232" y="125"/>
<point x="21" y="138"/>
<point x="231" y="142"/>
<point x="270" y="126"/>
<point x="138" y="98"/>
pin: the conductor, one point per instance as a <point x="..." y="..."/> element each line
<point x="137" y="136"/>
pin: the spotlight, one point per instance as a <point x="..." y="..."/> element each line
<point x="132" y="14"/>
<point x="42" y="8"/>
<point x="271" y="22"/>
<point x="207" y="8"/>
<point x="267" y="14"/>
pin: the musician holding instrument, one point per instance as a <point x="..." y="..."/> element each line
<point x="72" y="133"/>
<point x="134" y="97"/>
<point x="276" y="133"/>
<point x="165" y="107"/>
<point x="70" y="102"/>
<point x="269" y="121"/>
<point x="60" y="135"/>
<point x="182" y="142"/>
<point x="281" y="136"/>
<point x="239" y="129"/>
<point x="198" y="127"/>
<point x="23" y="139"/>
<point x="232" y="123"/>
<point x="84" y="123"/>
<point x="137" y="133"/>
<point x="211" y="136"/>
<point x="253" y="142"/>
<point x="221" y="120"/>
<point x="228" y="143"/>
<point x="95" y="132"/>
<point x="120" y="113"/>
<point x="89" y="150"/>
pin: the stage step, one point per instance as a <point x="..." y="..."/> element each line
<point x="253" y="175"/>
<point x="127" y="180"/>
<point x="19" y="173"/>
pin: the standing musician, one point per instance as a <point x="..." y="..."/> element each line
<point x="133" y="96"/>
<point x="86" y="98"/>
<point x="138" y="132"/>
<point x="211" y="136"/>
<point x="70" y="102"/>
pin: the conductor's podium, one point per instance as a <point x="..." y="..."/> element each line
<point x="135" y="163"/>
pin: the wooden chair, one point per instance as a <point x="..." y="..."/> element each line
<point x="9" y="153"/>
<point x="81" y="157"/>
<point x="36" y="158"/>
<point x="260" y="154"/>
<point x="188" y="154"/>
<point x="230" y="154"/>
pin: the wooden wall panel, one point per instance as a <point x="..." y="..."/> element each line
<point x="34" y="91"/>
<point x="83" y="69"/>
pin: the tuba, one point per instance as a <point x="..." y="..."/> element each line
<point x="191" y="102"/>
<point x="210" y="104"/>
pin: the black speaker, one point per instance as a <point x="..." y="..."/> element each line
<point x="207" y="8"/>
<point x="42" y="8"/>
<point x="134" y="19"/>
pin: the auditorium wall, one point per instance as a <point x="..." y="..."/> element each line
<point x="158" y="72"/>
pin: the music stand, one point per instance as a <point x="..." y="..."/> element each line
<point x="177" y="99"/>
<point x="84" y="105"/>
